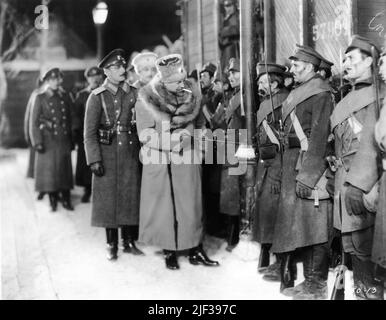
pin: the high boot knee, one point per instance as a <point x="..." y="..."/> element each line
<point x="287" y="271"/>
<point x="233" y="232"/>
<point x="264" y="257"/>
<point x="112" y="243"/>
<point x="365" y="286"/>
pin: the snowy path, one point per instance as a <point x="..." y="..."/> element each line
<point x="60" y="256"/>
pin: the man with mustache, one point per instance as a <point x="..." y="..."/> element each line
<point x="112" y="149"/>
<point x="304" y="215"/>
<point x="358" y="166"/>
<point x="379" y="247"/>
<point x="273" y="93"/>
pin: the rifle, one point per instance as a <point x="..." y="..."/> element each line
<point x="375" y="79"/>
<point x="269" y="88"/>
<point x="341" y="73"/>
<point x="338" y="293"/>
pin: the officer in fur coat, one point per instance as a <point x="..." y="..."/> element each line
<point x="171" y="203"/>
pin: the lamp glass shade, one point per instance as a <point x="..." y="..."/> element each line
<point x="99" y="13"/>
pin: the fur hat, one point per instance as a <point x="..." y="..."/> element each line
<point x="170" y="68"/>
<point x="144" y="59"/>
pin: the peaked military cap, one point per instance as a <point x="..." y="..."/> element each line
<point x="193" y="74"/>
<point x="210" y="68"/>
<point x="234" y="65"/>
<point x="362" y="43"/>
<point x="306" y="54"/>
<point x="114" y="58"/>
<point x="325" y="64"/>
<point x="53" y="73"/>
<point x="271" y="67"/>
<point x="93" y="71"/>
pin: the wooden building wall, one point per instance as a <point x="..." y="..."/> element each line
<point x="326" y="25"/>
<point x="201" y="38"/>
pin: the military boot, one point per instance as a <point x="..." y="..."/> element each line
<point x="171" y="260"/>
<point x="112" y="243"/>
<point x="86" y="195"/>
<point x="287" y="271"/>
<point x="365" y="286"/>
<point x="40" y="196"/>
<point x="128" y="238"/>
<point x="53" y="196"/>
<point x="316" y="265"/>
<point x="66" y="200"/>
<point x="198" y="256"/>
<point x="272" y="273"/>
<point x="233" y="232"/>
<point x="264" y="258"/>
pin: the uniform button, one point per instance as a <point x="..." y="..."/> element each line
<point x="62" y="102"/>
<point x="65" y="132"/>
<point x="64" y="117"/>
<point x="63" y="125"/>
<point x="54" y="118"/>
<point x="129" y="132"/>
<point x="63" y="110"/>
<point x="115" y="101"/>
<point x="55" y="133"/>
<point x="54" y="125"/>
<point x="120" y="143"/>
<point x="130" y="142"/>
<point x="50" y="103"/>
<point x="118" y="132"/>
<point x="52" y="111"/>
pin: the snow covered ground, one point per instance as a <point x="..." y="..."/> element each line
<point x="47" y="255"/>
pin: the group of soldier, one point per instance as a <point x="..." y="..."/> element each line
<point x="319" y="161"/>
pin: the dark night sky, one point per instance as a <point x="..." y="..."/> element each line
<point x="131" y="24"/>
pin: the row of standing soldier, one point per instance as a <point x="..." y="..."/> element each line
<point x="319" y="170"/>
<point x="293" y="220"/>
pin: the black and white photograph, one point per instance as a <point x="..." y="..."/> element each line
<point x="206" y="151"/>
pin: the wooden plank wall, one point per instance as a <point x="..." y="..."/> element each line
<point x="192" y="35"/>
<point x="210" y="37"/>
<point x="287" y="28"/>
<point x="372" y="20"/>
<point x="330" y="27"/>
<point x="209" y="33"/>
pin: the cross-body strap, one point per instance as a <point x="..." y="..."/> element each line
<point x="271" y="136"/>
<point x="299" y="132"/>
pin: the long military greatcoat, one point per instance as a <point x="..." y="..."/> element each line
<point x="165" y="188"/>
<point x="229" y="39"/>
<point x="115" y="195"/>
<point x="50" y="125"/>
<point x="27" y="116"/>
<point x="268" y="172"/>
<point x="379" y="243"/>
<point x="231" y="192"/>
<point x="299" y="222"/>
<point x="82" y="172"/>
<point x="356" y="152"/>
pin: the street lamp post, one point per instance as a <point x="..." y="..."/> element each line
<point x="99" y="15"/>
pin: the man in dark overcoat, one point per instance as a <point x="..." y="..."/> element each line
<point x="269" y="164"/>
<point x="304" y="214"/>
<point x="358" y="163"/>
<point x="50" y="132"/>
<point x="94" y="76"/>
<point x="379" y="247"/>
<point x="112" y="149"/>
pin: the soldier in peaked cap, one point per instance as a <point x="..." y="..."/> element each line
<point x="211" y="171"/>
<point x="231" y="117"/>
<point x="144" y="66"/>
<point x="269" y="165"/>
<point x="304" y="213"/>
<point x="50" y="132"/>
<point x="378" y="254"/>
<point x="171" y="200"/>
<point x="112" y="148"/>
<point x="83" y="175"/>
<point x="358" y="163"/>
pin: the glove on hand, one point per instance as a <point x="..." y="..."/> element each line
<point x="303" y="191"/>
<point x="97" y="169"/>
<point x="354" y="201"/>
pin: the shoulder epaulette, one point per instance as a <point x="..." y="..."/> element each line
<point x="98" y="90"/>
